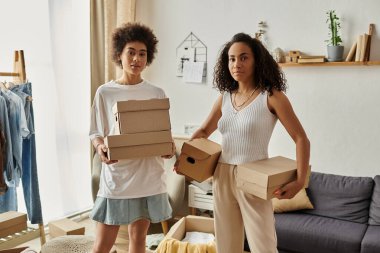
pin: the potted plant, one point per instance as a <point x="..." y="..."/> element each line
<point x="334" y="47"/>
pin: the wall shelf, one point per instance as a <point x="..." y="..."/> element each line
<point x="329" y="64"/>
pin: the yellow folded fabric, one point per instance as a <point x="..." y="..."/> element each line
<point x="171" y="245"/>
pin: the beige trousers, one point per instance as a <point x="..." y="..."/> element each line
<point x="235" y="210"/>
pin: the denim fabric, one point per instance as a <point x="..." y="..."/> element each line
<point x="8" y="164"/>
<point x="8" y="201"/>
<point x="30" y="176"/>
<point x="26" y="99"/>
<point x="17" y="124"/>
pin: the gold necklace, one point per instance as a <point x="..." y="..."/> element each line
<point x="245" y="101"/>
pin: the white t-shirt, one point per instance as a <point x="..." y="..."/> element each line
<point x="130" y="178"/>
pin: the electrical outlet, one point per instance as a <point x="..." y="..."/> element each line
<point x="190" y="128"/>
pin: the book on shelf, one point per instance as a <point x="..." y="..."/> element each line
<point x="311" y="60"/>
<point x="351" y="53"/>
<point x="368" y="46"/>
<point x="358" y="47"/>
<point x="363" y="47"/>
<point x="311" y="56"/>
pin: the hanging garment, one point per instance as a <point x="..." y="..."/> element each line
<point x="8" y="201"/>
<point x="5" y="130"/>
<point x="3" y="185"/>
<point x="29" y="178"/>
<point x="18" y="130"/>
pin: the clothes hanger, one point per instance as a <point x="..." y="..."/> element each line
<point x="9" y="85"/>
<point x="2" y="85"/>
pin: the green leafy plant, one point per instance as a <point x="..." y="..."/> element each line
<point x="334" y="26"/>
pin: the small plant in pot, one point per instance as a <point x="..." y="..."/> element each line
<point x="334" y="47"/>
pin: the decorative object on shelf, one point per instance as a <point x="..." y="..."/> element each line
<point x="260" y="34"/>
<point x="278" y="55"/>
<point x="293" y="56"/>
<point x="334" y="47"/>
<point x="192" y="53"/>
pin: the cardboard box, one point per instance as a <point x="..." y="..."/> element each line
<point x="127" y="146"/>
<point x="12" y="222"/>
<point x="137" y="116"/>
<point x="262" y="178"/>
<point x="65" y="227"/>
<point x="191" y="223"/>
<point x="199" y="158"/>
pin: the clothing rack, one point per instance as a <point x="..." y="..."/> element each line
<point x="19" y="76"/>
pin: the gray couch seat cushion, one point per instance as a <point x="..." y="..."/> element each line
<point x="371" y="240"/>
<point x="374" y="210"/>
<point x="340" y="197"/>
<point x="300" y="232"/>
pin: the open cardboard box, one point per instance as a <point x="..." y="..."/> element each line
<point x="191" y="223"/>
<point x="261" y="178"/>
<point x="128" y="146"/>
<point x="199" y="158"/>
<point x="136" y="116"/>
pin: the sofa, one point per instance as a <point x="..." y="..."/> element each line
<point x="345" y="218"/>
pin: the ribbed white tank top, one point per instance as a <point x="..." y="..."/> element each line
<point x="245" y="133"/>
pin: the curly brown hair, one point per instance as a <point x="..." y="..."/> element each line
<point x="267" y="73"/>
<point x="131" y="32"/>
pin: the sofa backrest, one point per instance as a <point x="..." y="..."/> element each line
<point x="340" y="197"/>
<point x="374" y="209"/>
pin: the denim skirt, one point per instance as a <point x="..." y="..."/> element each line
<point x="155" y="208"/>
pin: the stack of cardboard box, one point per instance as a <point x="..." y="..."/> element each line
<point x="142" y="129"/>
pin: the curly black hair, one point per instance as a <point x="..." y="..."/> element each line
<point x="267" y="73"/>
<point x="132" y="32"/>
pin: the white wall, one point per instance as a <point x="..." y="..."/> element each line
<point x="338" y="106"/>
<point x="59" y="70"/>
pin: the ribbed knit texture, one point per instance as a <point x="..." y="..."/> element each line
<point x="245" y="133"/>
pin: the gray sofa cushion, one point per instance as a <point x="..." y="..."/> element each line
<point x="300" y="232"/>
<point x="371" y="240"/>
<point x="340" y="197"/>
<point x="374" y="210"/>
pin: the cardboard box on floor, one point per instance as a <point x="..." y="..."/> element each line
<point x="261" y="178"/>
<point x="128" y="146"/>
<point x="199" y="158"/>
<point x="65" y="227"/>
<point x="12" y="222"/>
<point x="136" y="116"/>
<point x="191" y="223"/>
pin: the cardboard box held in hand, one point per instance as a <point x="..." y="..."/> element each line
<point x="128" y="146"/>
<point x="199" y="158"/>
<point x="142" y="129"/>
<point x="261" y="178"/>
<point x="140" y="116"/>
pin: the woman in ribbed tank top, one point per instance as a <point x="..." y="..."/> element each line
<point x="252" y="99"/>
